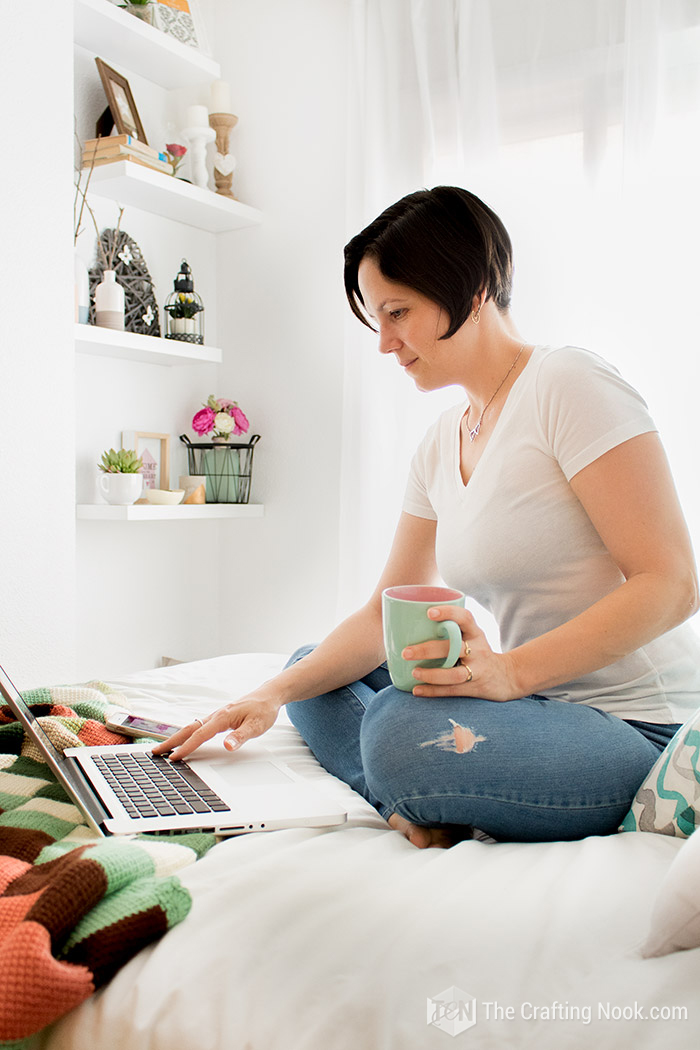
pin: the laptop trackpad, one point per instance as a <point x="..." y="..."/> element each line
<point x="254" y="771"/>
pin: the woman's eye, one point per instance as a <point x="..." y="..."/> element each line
<point x="396" y="314"/>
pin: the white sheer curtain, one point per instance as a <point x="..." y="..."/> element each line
<point x="578" y="121"/>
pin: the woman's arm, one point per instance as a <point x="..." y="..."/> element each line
<point x="629" y="495"/>
<point x="350" y="652"/>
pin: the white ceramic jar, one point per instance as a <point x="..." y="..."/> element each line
<point x="109" y="302"/>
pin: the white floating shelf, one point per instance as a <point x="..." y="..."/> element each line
<point x="150" y="512"/>
<point x="126" y="41"/>
<point x="161" y="194"/>
<point x="106" y="342"/>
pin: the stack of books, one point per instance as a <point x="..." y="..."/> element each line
<point x="114" y="148"/>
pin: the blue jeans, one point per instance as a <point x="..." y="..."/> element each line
<point x="528" y="770"/>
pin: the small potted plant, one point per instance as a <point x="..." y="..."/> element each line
<point x="183" y="313"/>
<point x="143" y="9"/>
<point x="121" y="481"/>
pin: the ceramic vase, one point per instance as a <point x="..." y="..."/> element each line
<point x="221" y="467"/>
<point x="109" y="302"/>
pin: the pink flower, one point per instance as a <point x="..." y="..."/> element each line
<point x="177" y="151"/>
<point x="203" y="421"/>
<point x="225" y="405"/>
<point x="241" y="421"/>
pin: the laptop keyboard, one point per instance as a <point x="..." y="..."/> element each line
<point x="149" y="786"/>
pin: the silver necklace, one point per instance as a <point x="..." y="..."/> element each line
<point x="474" y="433"/>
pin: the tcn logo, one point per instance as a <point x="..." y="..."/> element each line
<point x="452" y="1011"/>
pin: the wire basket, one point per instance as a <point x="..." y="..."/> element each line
<point x="227" y="466"/>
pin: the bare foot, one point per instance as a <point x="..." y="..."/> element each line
<point x="420" y="836"/>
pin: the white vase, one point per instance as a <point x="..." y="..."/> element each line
<point x="82" y="290"/>
<point x="109" y="302"/>
<point x="121" y="490"/>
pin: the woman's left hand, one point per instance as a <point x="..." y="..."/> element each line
<point x="479" y="672"/>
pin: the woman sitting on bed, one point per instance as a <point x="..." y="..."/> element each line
<point x="547" y="497"/>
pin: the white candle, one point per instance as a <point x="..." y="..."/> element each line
<point x="196" y="117"/>
<point x="220" y="97"/>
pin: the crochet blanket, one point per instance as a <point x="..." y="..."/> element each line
<point x="74" y="907"/>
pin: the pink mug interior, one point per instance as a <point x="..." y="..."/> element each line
<point x="420" y="593"/>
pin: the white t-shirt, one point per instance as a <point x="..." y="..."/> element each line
<point x="518" y="541"/>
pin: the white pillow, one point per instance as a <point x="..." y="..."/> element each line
<point x="675" y="919"/>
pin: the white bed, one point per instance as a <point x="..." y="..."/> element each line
<point x="336" y="939"/>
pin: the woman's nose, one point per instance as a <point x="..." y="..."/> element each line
<point x="388" y="340"/>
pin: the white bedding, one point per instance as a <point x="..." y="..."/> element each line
<point x="335" y="939"/>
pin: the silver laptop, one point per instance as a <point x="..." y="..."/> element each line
<point x="125" y="790"/>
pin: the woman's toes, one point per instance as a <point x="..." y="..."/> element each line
<point x="420" y="836"/>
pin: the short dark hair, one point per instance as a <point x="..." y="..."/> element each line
<point x="444" y="243"/>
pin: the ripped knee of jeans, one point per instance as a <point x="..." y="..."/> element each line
<point x="459" y="739"/>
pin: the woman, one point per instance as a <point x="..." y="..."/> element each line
<point x="548" y="498"/>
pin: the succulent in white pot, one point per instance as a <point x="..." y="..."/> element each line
<point x="121" y="482"/>
<point x="143" y="9"/>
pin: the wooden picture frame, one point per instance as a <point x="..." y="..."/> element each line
<point x="155" y="452"/>
<point x="121" y="102"/>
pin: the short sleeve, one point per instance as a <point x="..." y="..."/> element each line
<point x="586" y="408"/>
<point x="416" y="498"/>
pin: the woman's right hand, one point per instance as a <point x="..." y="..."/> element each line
<point x="248" y="717"/>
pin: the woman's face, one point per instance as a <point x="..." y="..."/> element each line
<point x="410" y="326"/>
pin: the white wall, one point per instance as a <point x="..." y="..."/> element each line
<point x="37" y="556"/>
<point x="281" y="311"/>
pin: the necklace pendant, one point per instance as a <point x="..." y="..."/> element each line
<point x="475" y="432"/>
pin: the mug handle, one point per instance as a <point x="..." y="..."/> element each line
<point x="449" y="629"/>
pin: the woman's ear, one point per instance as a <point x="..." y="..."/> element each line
<point x="477" y="303"/>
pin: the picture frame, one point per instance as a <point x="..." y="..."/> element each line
<point x="182" y="19"/>
<point x="154" y="449"/>
<point x="121" y="102"/>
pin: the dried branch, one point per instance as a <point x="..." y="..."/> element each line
<point x="81" y="191"/>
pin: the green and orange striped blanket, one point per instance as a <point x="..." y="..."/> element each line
<point x="73" y="907"/>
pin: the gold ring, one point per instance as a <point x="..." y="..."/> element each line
<point x="470" y="675"/>
<point x="467" y="650"/>
<point x="200" y="720"/>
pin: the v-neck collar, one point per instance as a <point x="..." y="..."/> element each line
<point x="457" y="442"/>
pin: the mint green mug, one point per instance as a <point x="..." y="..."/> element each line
<point x="405" y="618"/>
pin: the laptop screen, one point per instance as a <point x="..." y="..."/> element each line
<point x="64" y="769"/>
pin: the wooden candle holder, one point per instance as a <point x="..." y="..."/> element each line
<point x="224" y="163"/>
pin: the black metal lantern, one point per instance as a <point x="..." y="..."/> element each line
<point x="184" y="310"/>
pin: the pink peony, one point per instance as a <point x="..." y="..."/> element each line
<point x="241" y="421"/>
<point x="203" y="421"/>
<point x="177" y="151"/>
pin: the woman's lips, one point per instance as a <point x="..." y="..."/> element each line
<point x="407" y="364"/>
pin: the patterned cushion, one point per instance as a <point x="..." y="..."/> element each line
<point x="668" y="801"/>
